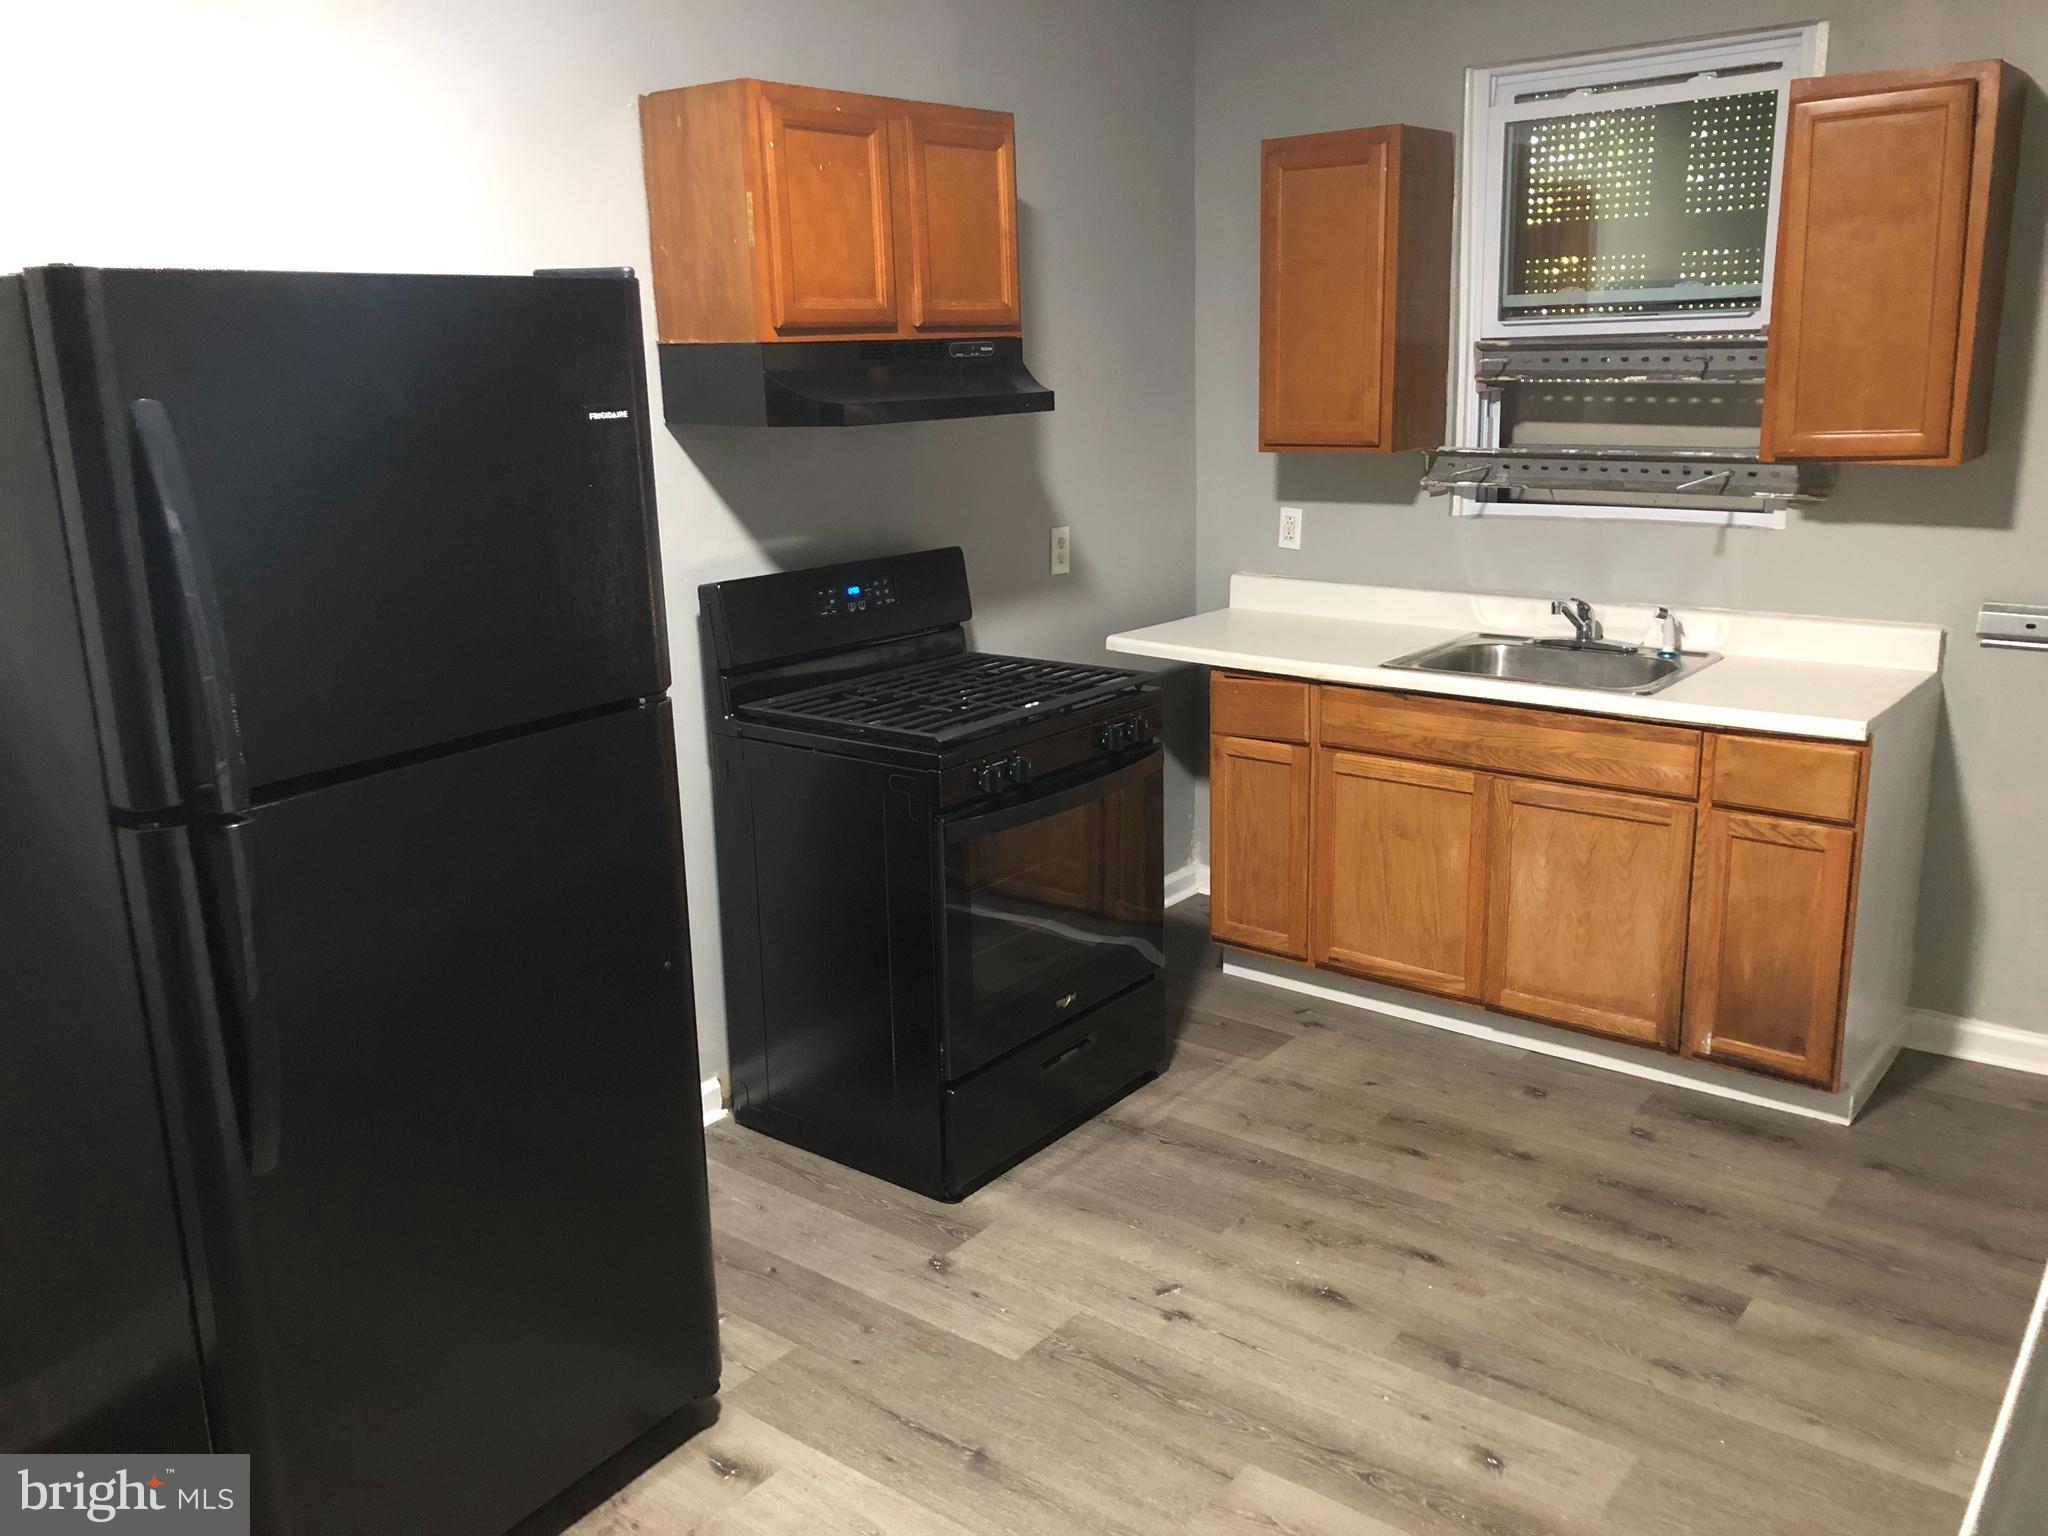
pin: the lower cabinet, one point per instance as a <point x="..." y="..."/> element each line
<point x="1586" y="922"/>
<point x="1258" y="844"/>
<point x="1689" y="891"/>
<point x="1770" y="917"/>
<point x="1399" y="864"/>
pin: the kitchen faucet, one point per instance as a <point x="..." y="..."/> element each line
<point x="1579" y="614"/>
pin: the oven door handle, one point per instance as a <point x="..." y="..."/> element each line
<point x="1055" y="798"/>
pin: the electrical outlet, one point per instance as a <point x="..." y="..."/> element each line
<point x="1290" y="527"/>
<point x="1062" y="550"/>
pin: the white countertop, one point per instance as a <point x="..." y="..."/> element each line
<point x="1782" y="673"/>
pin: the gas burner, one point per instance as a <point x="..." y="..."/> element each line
<point x="938" y="703"/>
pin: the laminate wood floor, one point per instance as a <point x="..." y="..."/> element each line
<point x="1339" y="1274"/>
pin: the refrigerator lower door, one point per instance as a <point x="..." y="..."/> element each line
<point x="457" y="1015"/>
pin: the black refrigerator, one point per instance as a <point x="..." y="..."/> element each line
<point x="352" y="1114"/>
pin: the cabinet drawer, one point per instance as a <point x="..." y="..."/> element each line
<point x="1533" y="743"/>
<point x="1040" y="1089"/>
<point x="1263" y="708"/>
<point x="1814" y="779"/>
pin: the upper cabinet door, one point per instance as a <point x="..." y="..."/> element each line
<point x="829" y="236"/>
<point x="960" y="219"/>
<point x="1323" y="258"/>
<point x="1354" y="290"/>
<point x="1891" y="244"/>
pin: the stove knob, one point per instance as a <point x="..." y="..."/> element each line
<point x="1019" y="767"/>
<point x="1105" y="736"/>
<point x="988" y="778"/>
<point x="1139" y="731"/>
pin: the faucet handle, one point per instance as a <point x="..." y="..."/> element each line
<point x="1579" y="614"/>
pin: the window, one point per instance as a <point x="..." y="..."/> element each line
<point x="1633" y="211"/>
<point x="1624" y="197"/>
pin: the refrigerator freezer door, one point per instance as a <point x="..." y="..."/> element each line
<point x="424" y="501"/>
<point x="479" y="1261"/>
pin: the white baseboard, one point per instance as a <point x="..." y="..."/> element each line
<point x="1479" y="1023"/>
<point x="1996" y="1045"/>
<point x="714" y="1100"/>
<point x="1188" y="880"/>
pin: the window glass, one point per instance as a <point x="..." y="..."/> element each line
<point x="1652" y="210"/>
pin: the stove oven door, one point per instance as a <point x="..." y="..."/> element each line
<point x="1054" y="904"/>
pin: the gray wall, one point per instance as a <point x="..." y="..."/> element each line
<point x="1918" y="544"/>
<point x="498" y="137"/>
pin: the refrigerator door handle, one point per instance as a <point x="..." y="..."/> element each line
<point x="234" y="883"/>
<point x="209" y="684"/>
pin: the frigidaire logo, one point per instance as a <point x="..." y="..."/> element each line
<point x="198" y="1494"/>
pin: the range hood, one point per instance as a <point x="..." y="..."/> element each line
<point x="845" y="383"/>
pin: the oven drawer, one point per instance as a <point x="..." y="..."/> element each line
<point x="1042" y="1088"/>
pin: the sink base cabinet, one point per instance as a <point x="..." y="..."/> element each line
<point x="1586" y="926"/>
<point x="1399" y="852"/>
<point x="1491" y="853"/>
<point x="1258" y="844"/>
<point x="1770" y="928"/>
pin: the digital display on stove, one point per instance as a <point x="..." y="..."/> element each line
<point x="856" y="596"/>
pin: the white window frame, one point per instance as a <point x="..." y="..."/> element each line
<point x="1490" y="105"/>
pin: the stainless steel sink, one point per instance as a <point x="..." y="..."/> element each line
<point x="1558" y="663"/>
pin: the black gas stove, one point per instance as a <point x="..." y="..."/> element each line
<point x="940" y="873"/>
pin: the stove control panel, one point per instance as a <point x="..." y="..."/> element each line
<point x="1055" y="752"/>
<point x="1124" y="731"/>
<point x="1000" y="773"/>
<point x="856" y="596"/>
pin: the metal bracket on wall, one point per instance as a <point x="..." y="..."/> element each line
<point x="2013" y="626"/>
<point x="1646" y="476"/>
<point x="1606" y="360"/>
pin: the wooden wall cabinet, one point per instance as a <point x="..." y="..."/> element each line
<point x="1893" y="218"/>
<point x="960" y="219"/>
<point x="1690" y="891"/>
<point x="783" y="212"/>
<point x="1354" y="290"/>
